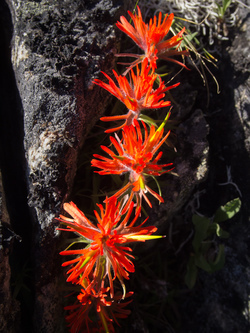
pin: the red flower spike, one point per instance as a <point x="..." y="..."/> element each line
<point x="78" y="319"/>
<point x="108" y="309"/>
<point x="150" y="38"/>
<point x="107" y="253"/>
<point x="137" y="94"/>
<point x="136" y="157"/>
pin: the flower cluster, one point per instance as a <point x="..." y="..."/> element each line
<point x="150" y="38"/>
<point x="106" y="256"/>
<point x="135" y="156"/>
<point x="137" y="94"/>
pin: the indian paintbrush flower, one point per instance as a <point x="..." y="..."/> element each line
<point x="137" y="93"/>
<point x="134" y="155"/>
<point x="88" y="301"/>
<point x="150" y="38"/>
<point x="107" y="253"/>
<point x="78" y="318"/>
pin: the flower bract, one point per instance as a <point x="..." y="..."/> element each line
<point x="107" y="253"/>
<point x="151" y="38"/>
<point x="137" y="93"/>
<point x="135" y="155"/>
<point x="78" y="318"/>
<point x="108" y="309"/>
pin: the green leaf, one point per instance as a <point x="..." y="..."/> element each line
<point x="215" y="228"/>
<point x="157" y="183"/>
<point x="202" y="263"/>
<point x="205" y="246"/>
<point x="220" y="10"/>
<point x="228" y="211"/>
<point x="219" y="261"/>
<point x="191" y="274"/>
<point x="201" y="227"/>
<point x="226" y="4"/>
<point x="190" y="36"/>
<point x="162" y="124"/>
<point x="220" y="232"/>
<point x="76" y="241"/>
<point x="149" y="121"/>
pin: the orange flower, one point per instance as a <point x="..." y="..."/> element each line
<point x="136" y="157"/>
<point x="106" y="252"/>
<point x="137" y="95"/>
<point x="78" y="319"/>
<point x="108" y="310"/>
<point x="150" y="38"/>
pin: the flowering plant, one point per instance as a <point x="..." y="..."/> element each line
<point x="108" y="310"/>
<point x="137" y="95"/>
<point x="136" y="157"/>
<point x="150" y="38"/>
<point x="106" y="251"/>
<point x="107" y="255"/>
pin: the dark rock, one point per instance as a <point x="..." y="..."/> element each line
<point x="10" y="314"/>
<point x="220" y="301"/>
<point x="57" y="49"/>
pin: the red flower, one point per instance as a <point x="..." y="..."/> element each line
<point x="78" y="319"/>
<point x="108" y="310"/>
<point x="137" y="95"/>
<point x="150" y="38"/>
<point x="135" y="156"/>
<point x="106" y="252"/>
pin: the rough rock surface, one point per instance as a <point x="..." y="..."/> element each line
<point x="9" y="308"/>
<point x="57" y="49"/>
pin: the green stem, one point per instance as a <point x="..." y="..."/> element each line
<point x="104" y="322"/>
